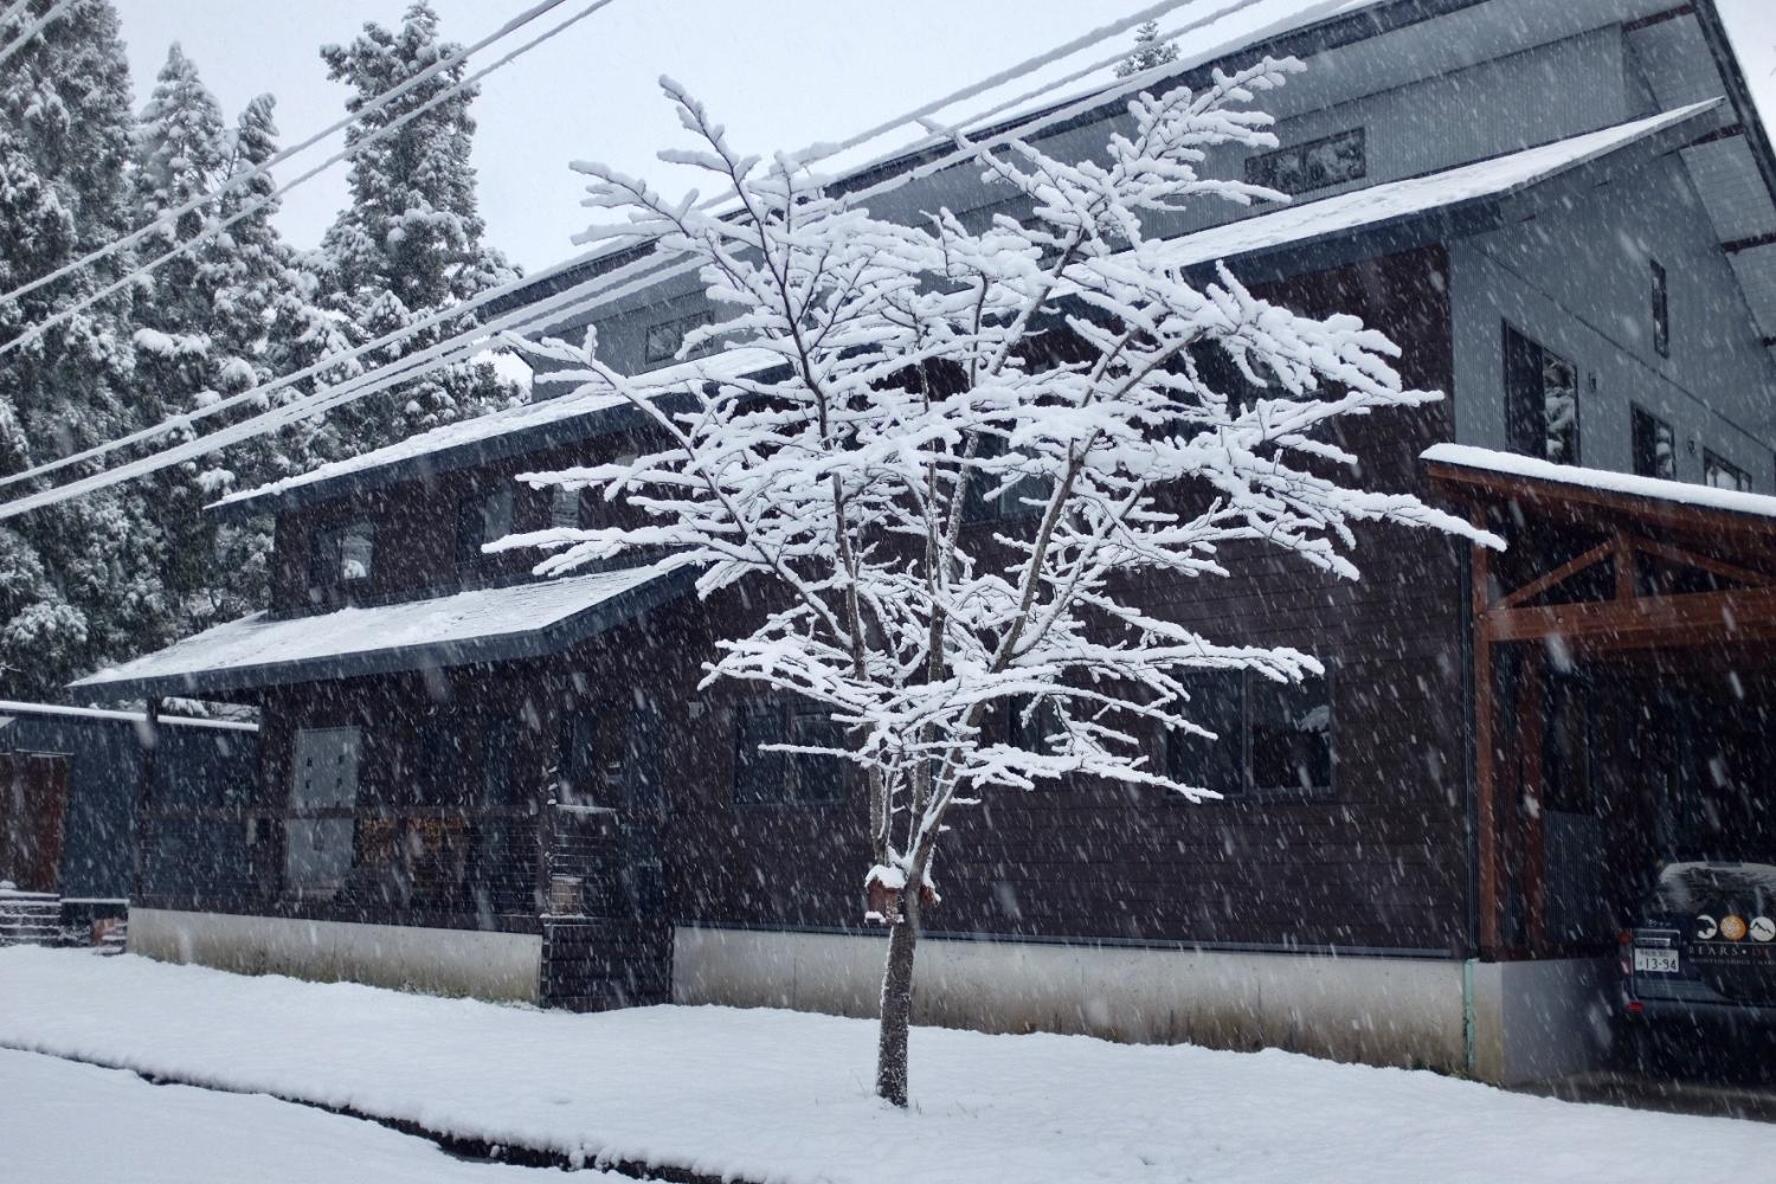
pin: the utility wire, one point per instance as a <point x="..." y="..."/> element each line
<point x="259" y="392"/>
<point x="37" y="330"/>
<point x="34" y="28"/>
<point x="576" y="299"/>
<point x="171" y="217"/>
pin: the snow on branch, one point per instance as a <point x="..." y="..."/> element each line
<point x="979" y="445"/>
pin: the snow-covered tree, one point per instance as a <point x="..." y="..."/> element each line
<point x="410" y="243"/>
<point x="79" y="583"/>
<point x="1056" y="366"/>
<point x="1148" y="53"/>
<point x="182" y="156"/>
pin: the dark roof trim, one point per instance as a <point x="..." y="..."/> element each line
<point x="235" y="682"/>
<point x="427" y="466"/>
<point x="1727" y="61"/>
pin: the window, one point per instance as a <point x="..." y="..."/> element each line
<point x="564" y="508"/>
<point x="342" y="558"/>
<point x="665" y="338"/>
<point x="1288" y="736"/>
<point x="1270" y="738"/>
<point x="1314" y="165"/>
<point x="1724" y="474"/>
<point x="1541" y="401"/>
<point x="1661" y="312"/>
<point x="323" y="796"/>
<point x="784" y="778"/>
<point x="1655" y="446"/>
<point x="480" y="519"/>
<point x="1217" y="704"/>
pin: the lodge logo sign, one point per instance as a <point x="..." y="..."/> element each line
<point x="1733" y="927"/>
<point x="1763" y="929"/>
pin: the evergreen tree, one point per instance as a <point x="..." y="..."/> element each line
<point x="410" y="243"/>
<point x="79" y="584"/>
<point x="182" y="155"/>
<point x="1149" y="52"/>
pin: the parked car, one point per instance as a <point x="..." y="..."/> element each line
<point x="1702" y="953"/>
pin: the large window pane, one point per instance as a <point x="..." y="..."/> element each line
<point x="1541" y="401"/>
<point x="1724" y="474"/>
<point x="1655" y="446"/>
<point x="760" y="777"/>
<point x="1290" y="735"/>
<point x="1216" y="704"/>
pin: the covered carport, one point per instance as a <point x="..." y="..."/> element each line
<point x="1624" y="688"/>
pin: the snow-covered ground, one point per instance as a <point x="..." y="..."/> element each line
<point x="66" y="1123"/>
<point x="785" y="1097"/>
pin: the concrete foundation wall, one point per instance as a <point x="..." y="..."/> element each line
<point x="1390" y="1011"/>
<point x="499" y="966"/>
<point x="1538" y="1020"/>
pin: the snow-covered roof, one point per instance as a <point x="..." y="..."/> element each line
<point x="474" y="437"/>
<point x="14" y="707"/>
<point x="1511" y="464"/>
<point x="1395" y="201"/>
<point x="488" y="624"/>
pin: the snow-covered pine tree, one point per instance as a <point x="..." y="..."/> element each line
<point x="182" y="155"/>
<point x="79" y="584"/>
<point x="263" y="324"/>
<point x="410" y="243"/>
<point x="1149" y="51"/>
<point x="1055" y="366"/>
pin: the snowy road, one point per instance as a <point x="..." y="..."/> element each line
<point x="784" y="1097"/>
<point x="66" y="1123"/>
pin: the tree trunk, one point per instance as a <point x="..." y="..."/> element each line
<point x="897" y="1011"/>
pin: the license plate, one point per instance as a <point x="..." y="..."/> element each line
<point x="1655" y="961"/>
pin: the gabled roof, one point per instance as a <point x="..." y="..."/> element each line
<point x="486" y="625"/>
<point x="1683" y="46"/>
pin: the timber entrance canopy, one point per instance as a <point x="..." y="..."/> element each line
<point x="485" y="625"/>
<point x="1624" y="671"/>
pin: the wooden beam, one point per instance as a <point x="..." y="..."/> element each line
<point x="1688" y="558"/>
<point x="1532" y="705"/>
<point x="1559" y="575"/>
<point x="1691" y="619"/>
<point x="1580" y="503"/>
<point x="1731" y="131"/>
<point x="1624" y="559"/>
<point x="1486" y="844"/>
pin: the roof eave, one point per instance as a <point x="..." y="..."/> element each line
<point x="239" y="681"/>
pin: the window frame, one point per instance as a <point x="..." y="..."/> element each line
<point x="788" y="711"/>
<point x="1513" y="419"/>
<point x="657" y="351"/>
<point x="1637" y="417"/>
<point x="1713" y="462"/>
<point x="1661" y="309"/>
<point x="327" y="582"/>
<point x="469" y="556"/>
<point x="1257" y="166"/>
<point x="310" y="814"/>
<point x="1245" y="786"/>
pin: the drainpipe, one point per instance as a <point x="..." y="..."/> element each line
<point x="149" y="738"/>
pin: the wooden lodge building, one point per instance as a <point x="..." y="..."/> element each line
<point x="474" y="781"/>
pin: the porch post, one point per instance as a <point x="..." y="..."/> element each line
<point x="1486" y="847"/>
<point x="1532" y="702"/>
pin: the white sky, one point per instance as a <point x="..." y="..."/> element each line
<point x="779" y="73"/>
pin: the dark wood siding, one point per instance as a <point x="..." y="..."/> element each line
<point x="1380" y="863"/>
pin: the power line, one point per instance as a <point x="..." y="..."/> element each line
<point x="578" y="298"/>
<point x="382" y="100"/>
<point x="34" y="28"/>
<point x="37" y="330"/>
